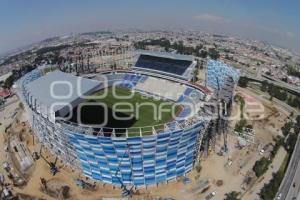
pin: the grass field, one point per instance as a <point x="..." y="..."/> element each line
<point x="143" y="113"/>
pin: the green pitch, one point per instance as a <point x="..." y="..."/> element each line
<point x="146" y="111"/>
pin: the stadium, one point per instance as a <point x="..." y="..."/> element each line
<point x="145" y="148"/>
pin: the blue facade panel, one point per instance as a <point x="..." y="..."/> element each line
<point x="136" y="160"/>
<point x="217" y="72"/>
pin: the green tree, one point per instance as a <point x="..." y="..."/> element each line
<point x="261" y="166"/>
<point x="9" y="81"/>
<point x="213" y="53"/>
<point x="264" y="86"/>
<point x="203" y="53"/>
<point x="243" y="82"/>
<point x="298" y="119"/>
<point x="292" y="71"/>
<point x="195" y="74"/>
<point x="232" y="195"/>
<point x="287" y="128"/>
<point x="290" y="101"/>
<point x="197" y="50"/>
<point x="270" y="189"/>
<point x="239" y="126"/>
<point x="21" y="105"/>
<point x="290" y="143"/>
<point x="279" y="141"/>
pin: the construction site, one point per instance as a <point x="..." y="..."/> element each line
<point x="29" y="171"/>
<point x="38" y="162"/>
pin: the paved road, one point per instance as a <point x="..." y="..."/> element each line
<point x="295" y="189"/>
<point x="8" y="103"/>
<point x="290" y="185"/>
<point x="272" y="80"/>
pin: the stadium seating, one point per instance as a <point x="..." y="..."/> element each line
<point x="168" y="65"/>
<point x="186" y="112"/>
<point x="110" y="77"/>
<point x="143" y="79"/>
<point x="189" y="97"/>
<point x="196" y="96"/>
<point x="161" y="88"/>
<point x="192" y="95"/>
<point x="130" y="80"/>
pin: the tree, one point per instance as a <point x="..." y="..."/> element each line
<point x="1" y="101"/>
<point x="239" y="126"/>
<point x="197" y="50"/>
<point x="195" y="74"/>
<point x="243" y="82"/>
<point x="264" y="86"/>
<point x="200" y="64"/>
<point x="21" y="105"/>
<point x="249" y="126"/>
<point x="261" y="166"/>
<point x="292" y="71"/>
<point x="227" y="57"/>
<point x="270" y="189"/>
<point x="287" y="128"/>
<point x="290" y="101"/>
<point x="203" y="53"/>
<point x="113" y="66"/>
<point x="232" y="195"/>
<point x="298" y="119"/>
<point x="290" y="143"/>
<point x="279" y="141"/>
<point x="297" y="129"/>
<point x="213" y="53"/>
<point x="9" y="81"/>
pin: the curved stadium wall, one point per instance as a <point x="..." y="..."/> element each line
<point x="138" y="161"/>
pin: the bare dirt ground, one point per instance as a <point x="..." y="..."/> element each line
<point x="215" y="168"/>
<point x="252" y="194"/>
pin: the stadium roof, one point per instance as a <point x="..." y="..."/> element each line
<point x="60" y="87"/>
<point x="167" y="55"/>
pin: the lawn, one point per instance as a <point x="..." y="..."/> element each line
<point x="145" y="111"/>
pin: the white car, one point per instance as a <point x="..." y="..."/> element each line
<point x="261" y="152"/>
<point x="211" y="195"/>
<point x="279" y="196"/>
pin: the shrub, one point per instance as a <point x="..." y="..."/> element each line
<point x="261" y="166"/>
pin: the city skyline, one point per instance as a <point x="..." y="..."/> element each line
<point x="31" y="21"/>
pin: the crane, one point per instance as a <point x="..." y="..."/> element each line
<point x="52" y="165"/>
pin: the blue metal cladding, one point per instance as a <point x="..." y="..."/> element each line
<point x="218" y="71"/>
<point x="136" y="161"/>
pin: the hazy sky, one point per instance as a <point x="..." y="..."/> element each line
<point x="26" y="21"/>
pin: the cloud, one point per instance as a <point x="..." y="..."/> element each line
<point x="212" y="18"/>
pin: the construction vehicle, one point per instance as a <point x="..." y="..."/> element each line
<point x="85" y="185"/>
<point x="52" y="165"/>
